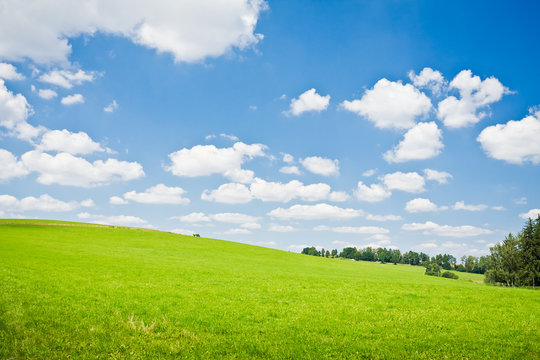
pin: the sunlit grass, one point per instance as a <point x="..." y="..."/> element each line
<point x="90" y="292"/>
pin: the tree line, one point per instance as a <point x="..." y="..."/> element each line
<point x="513" y="262"/>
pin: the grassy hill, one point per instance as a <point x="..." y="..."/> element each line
<point x="73" y="291"/>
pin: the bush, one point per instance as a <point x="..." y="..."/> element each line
<point x="449" y="275"/>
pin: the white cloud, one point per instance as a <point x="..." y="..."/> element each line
<point x="321" y="166"/>
<point x="66" y="78"/>
<point x="263" y="190"/>
<point x="428" y="78"/>
<point x="47" y="94"/>
<point x="389" y="217"/>
<point x="372" y="193"/>
<point x="234" y="218"/>
<point x="281" y="228"/>
<point x="391" y="105"/>
<point x="431" y="228"/>
<point x="194" y="217"/>
<point x="421" y="142"/>
<point x="10" y="167"/>
<point x="203" y="160"/>
<point x="290" y="170"/>
<point x="229" y="137"/>
<point x="441" y="177"/>
<point x="230" y="193"/>
<point x="288" y="158"/>
<point x="498" y="208"/>
<point x="410" y="182"/>
<point x="117" y="200"/>
<point x="72" y="99"/>
<point x="44" y="203"/>
<point x="422" y="205"/>
<point x="66" y="141"/>
<point x="308" y="101"/>
<point x="158" y="194"/>
<point x="88" y="203"/>
<point x="237" y="231"/>
<point x="515" y="142"/>
<point x="66" y="169"/>
<point x="338" y="196"/>
<point x="122" y="220"/>
<point x="354" y="229"/>
<point x="189" y="31"/>
<point x="315" y="212"/>
<point x="460" y="205"/>
<point x="14" y="111"/>
<point x="369" y="172"/>
<point x="521" y="201"/>
<point x="533" y="214"/>
<point x="474" y="95"/>
<point x="9" y="72"/>
<point x="111" y="107"/>
<point x="276" y="191"/>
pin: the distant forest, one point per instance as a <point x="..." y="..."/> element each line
<point x="512" y="262"/>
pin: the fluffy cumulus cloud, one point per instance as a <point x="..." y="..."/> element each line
<point x="353" y="229"/>
<point x="372" y="193"/>
<point x="388" y="217"/>
<point x="188" y="30"/>
<point x="515" y="142"/>
<point x="72" y="99"/>
<point x="422" y="205"/>
<point x="441" y="177"/>
<point x="194" y="217"/>
<point x="122" y="220"/>
<point x="159" y="194"/>
<point x="421" y="142"/>
<point x="410" y="182"/>
<point x="117" y="200"/>
<point x="66" y="141"/>
<point x="234" y="193"/>
<point x="475" y="94"/>
<point x="431" y="228"/>
<point x="14" y="112"/>
<point x="9" y="72"/>
<point x="203" y="160"/>
<point x="230" y="193"/>
<point x="315" y="212"/>
<point x="111" y="107"/>
<point x="290" y="170"/>
<point x="281" y="228"/>
<point x="43" y="203"/>
<point x="66" y="169"/>
<point x="532" y="214"/>
<point x="47" y="94"/>
<point x="10" y="167"/>
<point x="308" y="101"/>
<point x="460" y="205"/>
<point x="67" y="79"/>
<point x="428" y="78"/>
<point x="321" y="166"/>
<point x="391" y="105"/>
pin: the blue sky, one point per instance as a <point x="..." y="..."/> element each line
<point x="284" y="124"/>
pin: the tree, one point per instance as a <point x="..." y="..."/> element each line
<point x="396" y="256"/>
<point x="529" y="240"/>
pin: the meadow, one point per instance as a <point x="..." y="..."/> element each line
<point x="73" y="291"/>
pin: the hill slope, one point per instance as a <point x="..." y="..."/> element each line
<point x="86" y="292"/>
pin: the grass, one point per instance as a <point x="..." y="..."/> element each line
<point x="100" y="292"/>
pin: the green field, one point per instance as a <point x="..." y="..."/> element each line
<point x="104" y="292"/>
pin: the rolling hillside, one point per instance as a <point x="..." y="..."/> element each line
<point x="70" y="290"/>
